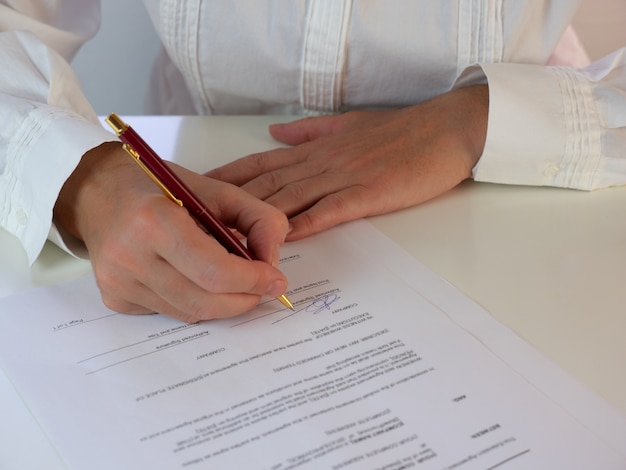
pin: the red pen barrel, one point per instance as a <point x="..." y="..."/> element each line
<point x="197" y="209"/>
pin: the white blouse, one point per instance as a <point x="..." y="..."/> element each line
<point x="551" y="120"/>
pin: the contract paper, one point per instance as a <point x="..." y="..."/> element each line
<point x="382" y="365"/>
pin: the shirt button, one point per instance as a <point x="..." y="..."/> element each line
<point x="552" y="169"/>
<point x="22" y="217"/>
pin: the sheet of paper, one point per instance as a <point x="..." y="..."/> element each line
<point x="382" y="366"/>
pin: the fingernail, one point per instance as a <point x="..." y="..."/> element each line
<point x="275" y="256"/>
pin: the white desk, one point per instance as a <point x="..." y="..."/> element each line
<point x="549" y="263"/>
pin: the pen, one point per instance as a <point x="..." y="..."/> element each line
<point x="174" y="188"/>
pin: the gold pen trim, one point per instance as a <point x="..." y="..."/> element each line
<point x="116" y="123"/>
<point x="119" y="127"/>
<point x="133" y="153"/>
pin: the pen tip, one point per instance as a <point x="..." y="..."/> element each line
<point x="286" y="302"/>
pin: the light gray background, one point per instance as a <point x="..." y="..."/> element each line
<point x="114" y="67"/>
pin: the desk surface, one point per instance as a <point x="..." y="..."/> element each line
<point x="548" y="263"/>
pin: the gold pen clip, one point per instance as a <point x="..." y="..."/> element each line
<point x="119" y="127"/>
<point x="133" y="153"/>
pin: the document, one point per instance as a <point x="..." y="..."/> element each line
<point x="382" y="365"/>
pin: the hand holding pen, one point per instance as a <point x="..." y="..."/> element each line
<point x="149" y="255"/>
<point x="178" y="192"/>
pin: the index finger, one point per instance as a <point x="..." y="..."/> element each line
<point x="251" y="166"/>
<point x="202" y="260"/>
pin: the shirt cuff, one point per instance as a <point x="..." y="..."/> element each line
<point x="54" y="142"/>
<point x="542" y="128"/>
<point x="67" y="242"/>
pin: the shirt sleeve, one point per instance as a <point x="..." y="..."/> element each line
<point x="46" y="123"/>
<point x="554" y="125"/>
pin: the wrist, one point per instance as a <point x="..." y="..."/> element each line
<point x="472" y="104"/>
<point x="80" y="200"/>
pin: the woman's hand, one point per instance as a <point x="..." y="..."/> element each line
<point x="364" y="163"/>
<point x="149" y="255"/>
